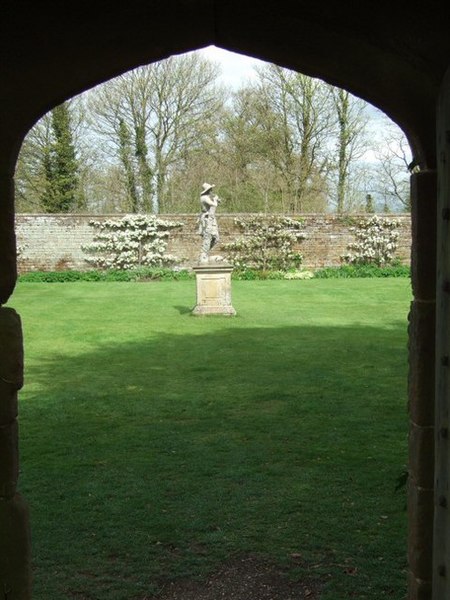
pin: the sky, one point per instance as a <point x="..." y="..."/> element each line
<point x="236" y="68"/>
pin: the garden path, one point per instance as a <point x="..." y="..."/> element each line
<point x="245" y="578"/>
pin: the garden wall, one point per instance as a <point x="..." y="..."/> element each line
<point x="50" y="242"/>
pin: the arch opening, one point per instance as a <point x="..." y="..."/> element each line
<point x="414" y="100"/>
<point x="170" y="344"/>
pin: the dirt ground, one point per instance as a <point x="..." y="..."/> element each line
<point x="246" y="578"/>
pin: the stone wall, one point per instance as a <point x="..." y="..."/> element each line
<point x="53" y="242"/>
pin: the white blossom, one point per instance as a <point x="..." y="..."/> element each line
<point x="132" y="241"/>
<point x="376" y="242"/>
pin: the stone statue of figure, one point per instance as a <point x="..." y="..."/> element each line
<point x="208" y="228"/>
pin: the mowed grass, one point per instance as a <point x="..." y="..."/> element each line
<point x="155" y="444"/>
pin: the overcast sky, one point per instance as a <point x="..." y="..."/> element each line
<point x="236" y="68"/>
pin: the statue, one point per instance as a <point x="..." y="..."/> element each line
<point x="213" y="280"/>
<point x="208" y="227"/>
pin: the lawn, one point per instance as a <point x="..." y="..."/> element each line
<point x="155" y="444"/>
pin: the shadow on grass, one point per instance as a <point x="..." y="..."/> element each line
<point x="184" y="310"/>
<point x="161" y="459"/>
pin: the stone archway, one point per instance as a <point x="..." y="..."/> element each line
<point x="391" y="58"/>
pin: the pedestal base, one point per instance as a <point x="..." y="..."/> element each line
<point x="213" y="290"/>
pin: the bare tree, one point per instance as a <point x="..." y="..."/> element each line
<point x="284" y="143"/>
<point x="241" y="152"/>
<point x="30" y="178"/>
<point x="351" y="118"/>
<point x="295" y="116"/>
<point x="151" y="117"/>
<point x="393" y="157"/>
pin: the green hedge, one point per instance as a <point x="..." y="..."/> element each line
<point x="350" y="271"/>
<point x="160" y="274"/>
<point x="154" y="274"/>
<point x="342" y="272"/>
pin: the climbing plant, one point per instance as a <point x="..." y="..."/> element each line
<point x="130" y="242"/>
<point x="376" y="241"/>
<point x="266" y="243"/>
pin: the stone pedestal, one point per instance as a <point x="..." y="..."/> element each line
<point x="213" y="290"/>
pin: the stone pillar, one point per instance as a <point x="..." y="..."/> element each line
<point x="8" y="270"/>
<point x="421" y="384"/>
<point x="15" y="564"/>
<point x="441" y="536"/>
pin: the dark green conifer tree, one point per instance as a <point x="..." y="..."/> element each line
<point x="61" y="192"/>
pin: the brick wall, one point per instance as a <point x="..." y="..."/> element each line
<point x="53" y="242"/>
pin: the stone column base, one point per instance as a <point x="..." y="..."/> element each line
<point x="213" y="290"/>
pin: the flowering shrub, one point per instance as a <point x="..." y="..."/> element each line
<point x="130" y="242"/>
<point x="376" y="242"/>
<point x="266" y="243"/>
<point x="20" y="250"/>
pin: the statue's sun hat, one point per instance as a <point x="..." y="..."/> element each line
<point x="206" y="187"/>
